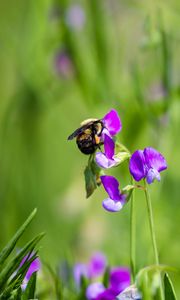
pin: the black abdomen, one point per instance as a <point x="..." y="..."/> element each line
<point x="86" y="143"/>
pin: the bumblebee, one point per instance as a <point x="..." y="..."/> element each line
<point x="88" y="136"/>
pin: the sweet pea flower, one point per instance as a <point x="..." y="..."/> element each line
<point x="116" y="200"/>
<point x="94" y="290"/>
<point x="112" y="123"/>
<point x="147" y="163"/>
<point x="107" y="159"/>
<point x="119" y="279"/>
<point x="93" y="269"/>
<point x="97" y="265"/>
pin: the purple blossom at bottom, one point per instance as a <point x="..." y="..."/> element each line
<point x="34" y="267"/>
<point x="97" y="265"/>
<point x="94" y="268"/>
<point x="94" y="290"/>
<point x="116" y="200"/>
<point x="147" y="163"/>
<point x="119" y="279"/>
<point x="79" y="271"/>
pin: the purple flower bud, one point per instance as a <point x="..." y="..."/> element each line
<point x="147" y="163"/>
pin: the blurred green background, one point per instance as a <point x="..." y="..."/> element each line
<point x="62" y="62"/>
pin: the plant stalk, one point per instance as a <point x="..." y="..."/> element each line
<point x="133" y="237"/>
<point x="152" y="231"/>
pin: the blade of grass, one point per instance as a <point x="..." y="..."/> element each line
<point x="12" y="243"/>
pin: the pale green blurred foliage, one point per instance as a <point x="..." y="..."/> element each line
<point x="126" y="57"/>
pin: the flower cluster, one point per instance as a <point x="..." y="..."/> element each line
<point x="144" y="164"/>
<point x="119" y="278"/>
<point x="94" y="268"/>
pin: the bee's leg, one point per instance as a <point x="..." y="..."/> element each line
<point x="99" y="147"/>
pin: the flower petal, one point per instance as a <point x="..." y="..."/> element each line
<point x="154" y="159"/>
<point x="151" y="175"/>
<point x="103" y="161"/>
<point x="34" y="267"/>
<point x="97" y="265"/>
<point x="94" y="289"/>
<point x="120" y="279"/>
<point x="108" y="294"/>
<point x="111" y="205"/>
<point x="112" y="122"/>
<point x="79" y="271"/>
<point x="109" y="146"/>
<point x="111" y="186"/>
<point x="137" y="165"/>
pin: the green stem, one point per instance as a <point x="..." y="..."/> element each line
<point x="152" y="230"/>
<point x="133" y="237"/>
<point x="151" y="223"/>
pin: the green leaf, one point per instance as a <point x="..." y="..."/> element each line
<point x="57" y="283"/>
<point x="148" y="283"/>
<point x="90" y="183"/>
<point x="10" y="289"/>
<point x="29" y="292"/>
<point x="168" y="288"/>
<point x="12" y="243"/>
<point x="92" y="175"/>
<point x="106" y="277"/>
<point x="13" y="264"/>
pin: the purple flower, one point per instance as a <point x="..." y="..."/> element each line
<point x="75" y="17"/>
<point x="93" y="269"/>
<point x="112" y="123"/>
<point x="116" y="200"/>
<point x="63" y="65"/>
<point x="107" y="160"/>
<point x="118" y="281"/>
<point x="147" y="163"/>
<point x="94" y="290"/>
<point x="97" y="265"/>
<point x="34" y="267"/>
<point x="80" y="271"/>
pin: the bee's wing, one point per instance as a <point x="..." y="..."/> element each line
<point x="74" y="134"/>
<point x="78" y="131"/>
